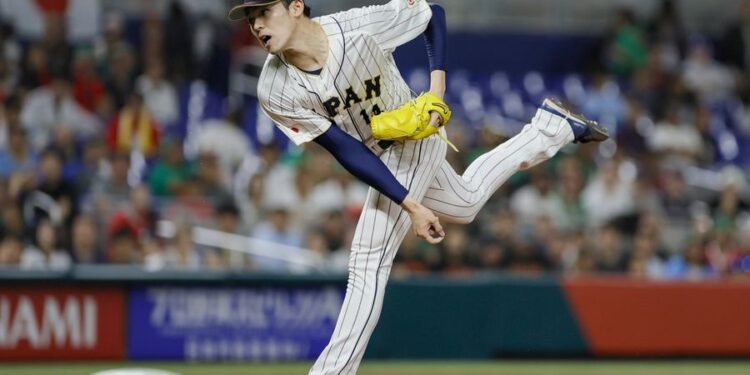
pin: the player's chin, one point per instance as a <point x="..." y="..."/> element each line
<point x="270" y="49"/>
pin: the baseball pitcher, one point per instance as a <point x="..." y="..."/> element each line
<point x="332" y="80"/>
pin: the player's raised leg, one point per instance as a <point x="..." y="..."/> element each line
<point x="380" y="230"/>
<point x="458" y="198"/>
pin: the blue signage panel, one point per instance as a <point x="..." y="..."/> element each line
<point x="213" y="324"/>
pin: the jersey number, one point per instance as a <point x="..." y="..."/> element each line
<point x="375" y="111"/>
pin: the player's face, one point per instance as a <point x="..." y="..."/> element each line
<point x="272" y="25"/>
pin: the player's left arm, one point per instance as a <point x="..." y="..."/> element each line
<point x="391" y="24"/>
<point x="435" y="38"/>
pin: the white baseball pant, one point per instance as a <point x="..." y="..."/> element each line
<point x="421" y="167"/>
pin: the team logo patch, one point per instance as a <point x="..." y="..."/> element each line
<point x="411" y="3"/>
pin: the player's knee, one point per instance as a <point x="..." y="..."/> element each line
<point x="552" y="151"/>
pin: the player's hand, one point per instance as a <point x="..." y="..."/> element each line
<point x="435" y="119"/>
<point x="424" y="223"/>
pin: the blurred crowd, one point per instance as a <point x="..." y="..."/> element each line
<point x="94" y="168"/>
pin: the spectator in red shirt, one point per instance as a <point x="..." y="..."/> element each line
<point x="88" y="88"/>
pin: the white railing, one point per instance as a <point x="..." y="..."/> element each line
<point x="297" y="259"/>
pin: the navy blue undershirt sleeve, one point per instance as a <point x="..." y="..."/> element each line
<point x="356" y="158"/>
<point x="435" y="38"/>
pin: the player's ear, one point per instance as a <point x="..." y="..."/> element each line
<point x="297" y="8"/>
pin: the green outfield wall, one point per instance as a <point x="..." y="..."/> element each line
<point x="476" y="318"/>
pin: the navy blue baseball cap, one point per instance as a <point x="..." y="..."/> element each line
<point x="239" y="12"/>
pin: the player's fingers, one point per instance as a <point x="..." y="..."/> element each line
<point x="432" y="240"/>
<point x="437" y="233"/>
<point x="435" y="238"/>
<point x="435" y="119"/>
<point x="435" y="230"/>
<point x="438" y="228"/>
<point x="417" y="231"/>
<point x="423" y="232"/>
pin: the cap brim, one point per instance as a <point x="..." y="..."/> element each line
<point x="239" y="12"/>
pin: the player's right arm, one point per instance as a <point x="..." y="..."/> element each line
<point x="356" y="158"/>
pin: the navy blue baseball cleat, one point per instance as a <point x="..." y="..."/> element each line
<point x="584" y="130"/>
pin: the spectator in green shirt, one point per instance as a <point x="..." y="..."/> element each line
<point x="627" y="50"/>
<point x="171" y="171"/>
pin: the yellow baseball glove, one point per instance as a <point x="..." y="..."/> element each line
<point x="411" y="121"/>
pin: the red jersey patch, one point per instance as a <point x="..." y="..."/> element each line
<point x="295" y="130"/>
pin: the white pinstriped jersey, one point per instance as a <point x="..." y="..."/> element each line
<point x="359" y="78"/>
